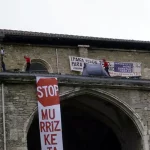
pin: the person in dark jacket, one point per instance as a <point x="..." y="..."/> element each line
<point x="2" y="59"/>
<point x="28" y="63"/>
<point x="106" y="66"/>
<point x="3" y="66"/>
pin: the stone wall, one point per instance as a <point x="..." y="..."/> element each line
<point x="21" y="103"/>
<point x="15" y="56"/>
<point x="16" y="52"/>
<point x="139" y="100"/>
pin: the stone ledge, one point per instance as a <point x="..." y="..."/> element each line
<point x="80" y="81"/>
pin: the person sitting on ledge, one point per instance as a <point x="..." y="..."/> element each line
<point x="28" y="63"/>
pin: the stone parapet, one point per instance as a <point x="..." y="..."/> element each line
<point x="82" y="81"/>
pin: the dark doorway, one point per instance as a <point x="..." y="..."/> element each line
<point x="38" y="67"/>
<point x="80" y="132"/>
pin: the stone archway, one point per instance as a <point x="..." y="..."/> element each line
<point x="124" y="107"/>
<point x="101" y="105"/>
<point x="40" y="65"/>
<point x="110" y="98"/>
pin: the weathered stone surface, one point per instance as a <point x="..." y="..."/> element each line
<point x="48" y="54"/>
<point x="83" y="50"/>
<point x="20" y="90"/>
<point x="21" y="104"/>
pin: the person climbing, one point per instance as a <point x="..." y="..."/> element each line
<point x="28" y="63"/>
<point x="106" y="66"/>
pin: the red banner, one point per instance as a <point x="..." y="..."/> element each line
<point x="49" y="113"/>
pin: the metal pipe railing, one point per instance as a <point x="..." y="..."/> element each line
<point x="3" y="108"/>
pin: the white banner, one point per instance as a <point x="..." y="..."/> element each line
<point x="115" y="68"/>
<point x="77" y="63"/>
<point x="49" y="114"/>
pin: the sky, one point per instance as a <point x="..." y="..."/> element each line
<point x="121" y="19"/>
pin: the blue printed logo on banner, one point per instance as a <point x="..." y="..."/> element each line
<point x="123" y="67"/>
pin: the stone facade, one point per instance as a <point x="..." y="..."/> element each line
<point x="14" y="56"/>
<point x="131" y="98"/>
<point x="21" y="105"/>
<point x="19" y="108"/>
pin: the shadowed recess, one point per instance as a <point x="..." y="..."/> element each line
<point x="80" y="131"/>
<point x="38" y="67"/>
